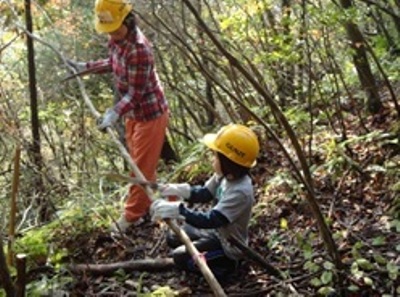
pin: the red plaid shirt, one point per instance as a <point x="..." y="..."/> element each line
<point x="132" y="64"/>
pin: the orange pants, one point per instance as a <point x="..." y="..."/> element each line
<point x="144" y="141"/>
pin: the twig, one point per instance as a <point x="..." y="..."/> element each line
<point x="157" y="245"/>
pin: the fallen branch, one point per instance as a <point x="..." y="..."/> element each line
<point x="256" y="257"/>
<point x="134" y="265"/>
<point x="253" y="255"/>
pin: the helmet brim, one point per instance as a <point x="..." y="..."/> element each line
<point x="209" y="141"/>
<point x="106" y="28"/>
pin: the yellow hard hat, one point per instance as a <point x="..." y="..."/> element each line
<point x="110" y="14"/>
<point x="236" y="142"/>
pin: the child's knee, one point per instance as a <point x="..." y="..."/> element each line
<point x="172" y="240"/>
<point x="181" y="258"/>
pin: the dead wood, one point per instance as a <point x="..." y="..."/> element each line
<point x="134" y="265"/>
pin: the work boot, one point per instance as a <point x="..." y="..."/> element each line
<point x="122" y="225"/>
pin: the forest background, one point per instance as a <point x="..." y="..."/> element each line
<point x="318" y="81"/>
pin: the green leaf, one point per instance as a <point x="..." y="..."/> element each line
<point x="379" y="259"/>
<point x="326" y="277"/>
<point x="307" y="250"/>
<point x="364" y="264"/>
<point x="311" y="266"/>
<point x="356" y="271"/>
<point x="324" y="291"/>
<point x="353" y="288"/>
<point x="395" y="224"/>
<point x="316" y="282"/>
<point x="393" y="270"/>
<point x="379" y="241"/>
<point x="163" y="292"/>
<point x="328" y="265"/>
<point x="368" y="281"/>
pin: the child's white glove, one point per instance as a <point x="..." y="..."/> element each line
<point x="180" y="190"/>
<point x="161" y="209"/>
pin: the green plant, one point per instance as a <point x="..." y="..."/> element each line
<point x="196" y="161"/>
<point x="48" y="286"/>
<point x="35" y="244"/>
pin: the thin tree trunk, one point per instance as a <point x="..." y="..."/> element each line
<point x="35" y="150"/>
<point x="13" y="206"/>
<point x="286" y="77"/>
<point x="5" y="279"/>
<point x="361" y="63"/>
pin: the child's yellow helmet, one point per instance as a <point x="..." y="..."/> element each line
<point x="110" y="14"/>
<point x="236" y="142"/>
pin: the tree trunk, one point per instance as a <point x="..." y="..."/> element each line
<point x="5" y="279"/>
<point x="35" y="150"/>
<point x="396" y="20"/>
<point x="210" y="120"/>
<point x="286" y="77"/>
<point x="361" y="63"/>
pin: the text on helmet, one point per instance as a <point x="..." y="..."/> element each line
<point x="234" y="149"/>
<point x="105" y="17"/>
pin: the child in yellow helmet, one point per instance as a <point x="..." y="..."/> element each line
<point x="235" y="149"/>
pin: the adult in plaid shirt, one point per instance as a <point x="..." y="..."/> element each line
<point x="142" y="102"/>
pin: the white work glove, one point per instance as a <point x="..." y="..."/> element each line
<point x="78" y="66"/>
<point x="109" y="119"/>
<point x="161" y="209"/>
<point x="180" y="190"/>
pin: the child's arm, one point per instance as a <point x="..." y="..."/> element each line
<point x="199" y="194"/>
<point x="204" y="220"/>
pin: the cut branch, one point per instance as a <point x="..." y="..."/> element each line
<point x="135" y="265"/>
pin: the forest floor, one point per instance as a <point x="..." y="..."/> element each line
<point x="359" y="205"/>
